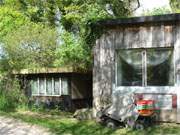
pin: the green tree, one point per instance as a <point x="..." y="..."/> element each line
<point x="10" y="21"/>
<point x="175" y="5"/>
<point x="72" y="54"/>
<point x="75" y="16"/>
<point x="30" y="46"/>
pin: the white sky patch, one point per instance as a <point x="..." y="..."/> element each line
<point x="150" y="4"/>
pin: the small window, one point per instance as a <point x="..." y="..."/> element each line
<point x="56" y="86"/>
<point x="50" y="86"/>
<point x="34" y="86"/>
<point x="64" y="86"/>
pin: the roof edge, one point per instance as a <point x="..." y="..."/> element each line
<point x="46" y="71"/>
<point x="142" y="19"/>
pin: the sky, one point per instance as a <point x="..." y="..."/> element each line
<point x="150" y="4"/>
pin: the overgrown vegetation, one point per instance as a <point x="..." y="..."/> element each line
<point x="30" y="46"/>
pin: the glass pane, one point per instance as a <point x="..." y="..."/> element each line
<point x="41" y="86"/>
<point x="160" y="67"/>
<point x="129" y="68"/>
<point x="64" y="86"/>
<point x="49" y="86"/>
<point x="34" y="86"/>
<point x="56" y="86"/>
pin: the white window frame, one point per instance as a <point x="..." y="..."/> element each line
<point x="52" y="87"/>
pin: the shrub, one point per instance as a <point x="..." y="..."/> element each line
<point x="11" y="94"/>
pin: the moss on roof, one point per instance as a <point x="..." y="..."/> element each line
<point x="47" y="70"/>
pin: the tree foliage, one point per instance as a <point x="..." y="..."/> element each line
<point x="10" y="21"/>
<point x="72" y="54"/>
<point x="175" y="5"/>
<point x="30" y="46"/>
<point x="30" y="32"/>
<point x="35" y="43"/>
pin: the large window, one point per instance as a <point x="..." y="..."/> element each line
<point x="50" y="86"/>
<point x="145" y="67"/>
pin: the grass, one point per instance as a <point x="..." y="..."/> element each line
<point x="62" y="123"/>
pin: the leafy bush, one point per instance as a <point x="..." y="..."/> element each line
<point x="10" y="94"/>
<point x="3" y="101"/>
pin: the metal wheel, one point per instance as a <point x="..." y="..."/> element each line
<point x="139" y="125"/>
<point x="111" y="124"/>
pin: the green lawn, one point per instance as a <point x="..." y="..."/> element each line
<point x="63" y="124"/>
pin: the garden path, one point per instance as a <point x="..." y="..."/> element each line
<point x="10" y="126"/>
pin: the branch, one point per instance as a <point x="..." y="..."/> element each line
<point x="137" y="6"/>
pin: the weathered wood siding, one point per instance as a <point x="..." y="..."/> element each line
<point x="128" y="37"/>
<point x="146" y="36"/>
<point x="103" y="70"/>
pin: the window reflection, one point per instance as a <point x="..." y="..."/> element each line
<point x="129" y="68"/>
<point x="145" y="67"/>
<point x="159" y="67"/>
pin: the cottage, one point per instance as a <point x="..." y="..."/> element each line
<point x="64" y="87"/>
<point x="141" y="55"/>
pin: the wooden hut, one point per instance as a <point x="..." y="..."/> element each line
<point x="140" y="55"/>
<point x="61" y="87"/>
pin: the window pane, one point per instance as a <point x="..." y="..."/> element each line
<point x="41" y="86"/>
<point x="34" y="86"/>
<point x="49" y="86"/>
<point x="160" y="67"/>
<point x="56" y="86"/>
<point x="64" y="86"/>
<point x="129" y="68"/>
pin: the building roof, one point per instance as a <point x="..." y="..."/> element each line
<point x="143" y="19"/>
<point x="46" y="71"/>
